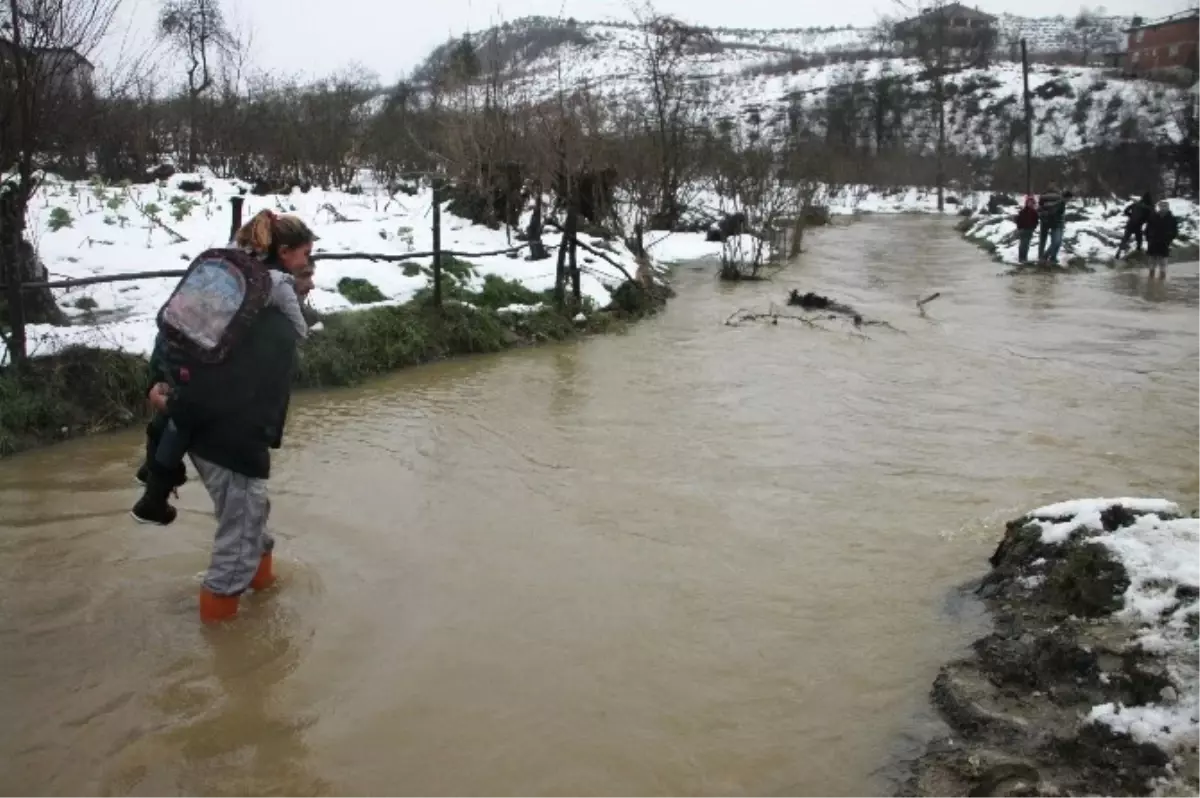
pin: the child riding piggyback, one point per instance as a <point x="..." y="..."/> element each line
<point x="216" y="300"/>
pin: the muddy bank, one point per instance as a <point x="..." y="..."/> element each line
<point x="1088" y="683"/>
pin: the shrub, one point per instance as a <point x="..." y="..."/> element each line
<point x="359" y="291"/>
<point x="77" y="391"/>
<point x="498" y="292"/>
<point x="59" y="218"/>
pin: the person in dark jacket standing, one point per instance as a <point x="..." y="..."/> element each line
<point x="236" y="413"/>
<point x="1161" y="229"/>
<point x="1052" y="208"/>
<point x="1137" y="214"/>
<point x="1027" y="222"/>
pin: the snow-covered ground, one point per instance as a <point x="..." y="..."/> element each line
<point x="1161" y="555"/>
<point x="82" y="229"/>
<point x="1092" y="231"/>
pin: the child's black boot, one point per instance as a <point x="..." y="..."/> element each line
<point x="153" y="507"/>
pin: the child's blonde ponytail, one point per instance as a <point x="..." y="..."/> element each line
<point x="267" y="231"/>
<point x="255" y="234"/>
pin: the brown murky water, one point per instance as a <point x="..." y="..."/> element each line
<point x="688" y="559"/>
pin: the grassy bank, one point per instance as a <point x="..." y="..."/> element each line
<point x="81" y="390"/>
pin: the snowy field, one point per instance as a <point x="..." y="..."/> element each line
<point x="81" y="230"/>
<point x="1161" y="555"/>
<point x="1092" y="231"/>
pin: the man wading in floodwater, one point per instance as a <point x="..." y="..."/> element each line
<point x="234" y="412"/>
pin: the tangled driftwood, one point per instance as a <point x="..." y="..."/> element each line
<point x="833" y="311"/>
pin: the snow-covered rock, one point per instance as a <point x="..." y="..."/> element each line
<point x="1088" y="683"/>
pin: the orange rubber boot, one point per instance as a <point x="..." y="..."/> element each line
<point x="214" y="608"/>
<point x="264" y="577"/>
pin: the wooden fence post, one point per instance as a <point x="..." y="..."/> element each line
<point x="236" y="216"/>
<point x="437" y="242"/>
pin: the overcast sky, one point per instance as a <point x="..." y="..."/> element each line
<point x="389" y="37"/>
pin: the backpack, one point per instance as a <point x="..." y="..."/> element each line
<point x="215" y="302"/>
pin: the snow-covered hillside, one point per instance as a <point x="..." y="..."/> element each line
<point x="1055" y="34"/>
<point x="772" y="79"/>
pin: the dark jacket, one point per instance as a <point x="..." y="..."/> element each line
<point x="1161" y="229"/>
<point x="1027" y="218"/>
<point x="1052" y="207"/>
<point x="1139" y="213"/>
<point x="236" y="410"/>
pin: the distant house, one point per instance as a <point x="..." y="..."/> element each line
<point x="968" y="33"/>
<point x="1165" y="44"/>
<point x="65" y="71"/>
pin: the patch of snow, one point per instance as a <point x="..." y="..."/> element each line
<point x="1086" y="513"/>
<point x="1080" y="506"/>
<point x="680" y="247"/>
<point x="522" y="309"/>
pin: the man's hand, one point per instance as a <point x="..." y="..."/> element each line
<point x="158" y="396"/>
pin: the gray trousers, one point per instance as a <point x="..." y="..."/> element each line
<point x="241" y="507"/>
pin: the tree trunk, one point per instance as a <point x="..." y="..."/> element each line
<point x="537" y="250"/>
<point x="10" y="272"/>
<point x="193" y="138"/>
<point x="560" y="277"/>
<point x="572" y="227"/>
<point x="19" y="264"/>
<point x="941" y="143"/>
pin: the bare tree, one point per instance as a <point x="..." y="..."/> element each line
<point x="44" y="71"/>
<point x="197" y="29"/>
<point x="1087" y="32"/>
<point x="926" y="34"/>
<point x="675" y="99"/>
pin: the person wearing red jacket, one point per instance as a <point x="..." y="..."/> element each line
<point x="1027" y="222"/>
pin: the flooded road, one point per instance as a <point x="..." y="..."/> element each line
<point x="687" y="559"/>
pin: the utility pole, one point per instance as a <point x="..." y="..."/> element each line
<point x="1028" y="122"/>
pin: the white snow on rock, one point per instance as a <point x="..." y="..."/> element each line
<point x="1160" y="554"/>
<point x="83" y="229"/>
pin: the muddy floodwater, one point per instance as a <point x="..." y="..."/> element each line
<point x="687" y="559"/>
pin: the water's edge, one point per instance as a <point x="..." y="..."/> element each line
<point x="109" y="397"/>
<point x="1013" y="708"/>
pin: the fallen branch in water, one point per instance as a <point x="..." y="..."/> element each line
<point x="773" y="316"/>
<point x="811" y="301"/>
<point x="921" y="303"/>
<point x="742" y="314"/>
